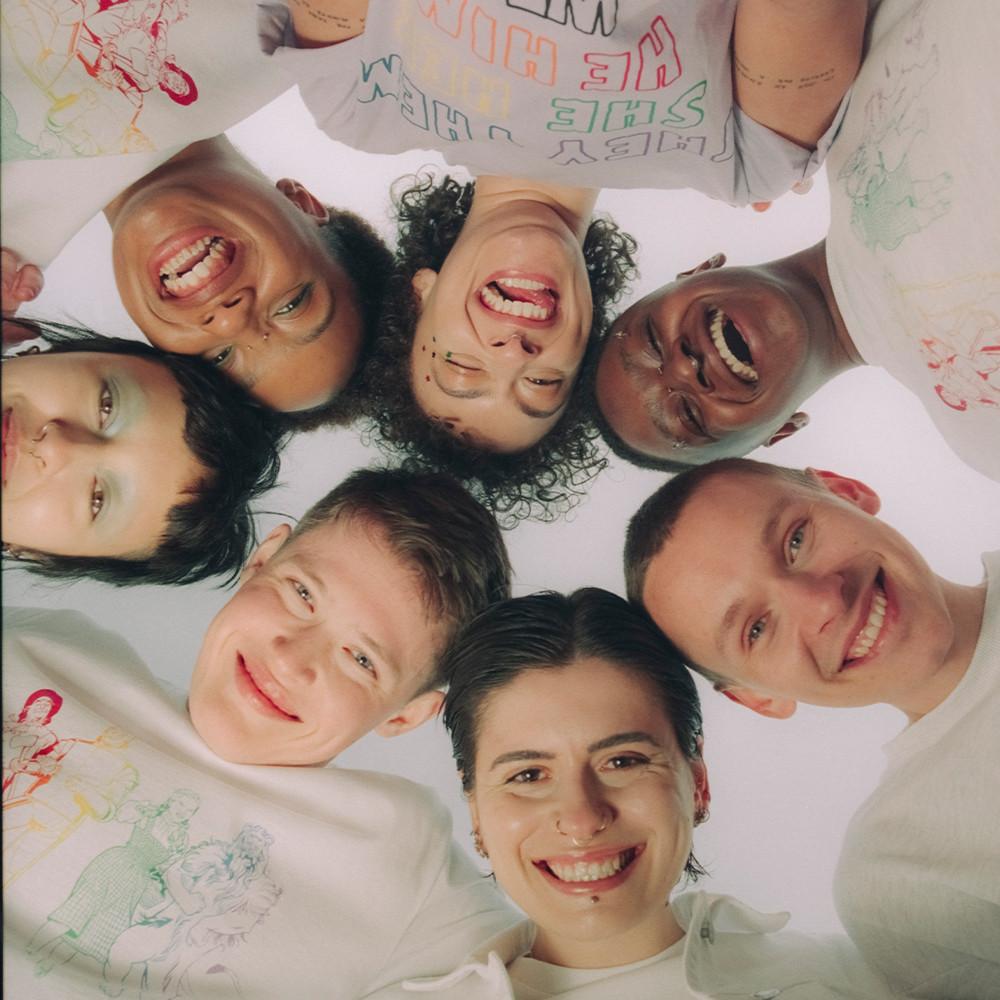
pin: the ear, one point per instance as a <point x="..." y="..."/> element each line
<point x="423" y="282"/>
<point x="852" y="490"/>
<point x="762" y="704"/>
<point x="412" y="714"/>
<point x="716" y="260"/>
<point x="263" y="553"/>
<point x="303" y="199"/>
<point x="702" y="792"/>
<point x="794" y="423"/>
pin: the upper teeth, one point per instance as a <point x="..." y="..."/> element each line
<point x="584" y="871"/>
<point x="496" y="302"/>
<point x="202" y="270"/>
<point x="733" y="363"/>
<point x="865" y="639"/>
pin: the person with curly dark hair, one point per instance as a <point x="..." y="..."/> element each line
<point x="502" y="288"/>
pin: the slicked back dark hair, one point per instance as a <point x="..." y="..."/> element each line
<point x="542" y="481"/>
<point x="236" y="439"/>
<point x="654" y="522"/>
<point x="549" y="631"/>
<point x="364" y="255"/>
<point x="451" y="543"/>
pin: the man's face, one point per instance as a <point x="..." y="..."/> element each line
<point x="709" y="366"/>
<point x="326" y="639"/>
<point x="217" y="261"/>
<point x="799" y="594"/>
<point x="503" y="328"/>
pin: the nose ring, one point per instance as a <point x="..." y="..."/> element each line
<point x="577" y="842"/>
<point x="42" y="432"/>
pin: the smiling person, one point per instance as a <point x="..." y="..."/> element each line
<point x="577" y="734"/>
<point x="782" y="586"/>
<point x="210" y="257"/>
<point x="128" y="465"/>
<point x="502" y="288"/>
<point x="721" y="360"/>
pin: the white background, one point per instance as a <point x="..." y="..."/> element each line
<point x="782" y="791"/>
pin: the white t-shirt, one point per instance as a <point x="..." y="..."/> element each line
<point x="93" y="99"/>
<point x="729" y="951"/>
<point x="617" y="95"/>
<point x="914" y="245"/>
<point x="918" y="882"/>
<point x="131" y="851"/>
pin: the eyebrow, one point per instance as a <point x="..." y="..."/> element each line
<point x="767" y="535"/>
<point x="616" y="739"/>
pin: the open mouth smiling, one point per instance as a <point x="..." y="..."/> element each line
<point x="870" y="633"/>
<point x="731" y="346"/>
<point x="601" y="871"/>
<point x="524" y="298"/>
<point x="192" y="268"/>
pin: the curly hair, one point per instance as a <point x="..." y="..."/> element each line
<point x="541" y="482"/>
<point x="210" y="532"/>
<point x="358" y="248"/>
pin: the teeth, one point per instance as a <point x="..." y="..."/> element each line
<point x="211" y="250"/>
<point x="509" y="307"/>
<point x="871" y="630"/>
<point x="584" y="871"/>
<point x="733" y="363"/>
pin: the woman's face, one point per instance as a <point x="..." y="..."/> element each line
<point x="93" y="453"/>
<point x="39" y="710"/>
<point x="585" y="805"/>
<point x="503" y="328"/>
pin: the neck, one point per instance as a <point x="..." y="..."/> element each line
<point x="607" y="952"/>
<point x="966" y="605"/>
<point x="216" y="150"/>
<point x="573" y="205"/>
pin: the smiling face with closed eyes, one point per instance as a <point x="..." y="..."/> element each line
<point x="327" y="638"/>
<point x="503" y="328"/>
<point x="94" y="455"/>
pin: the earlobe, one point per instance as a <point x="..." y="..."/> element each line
<point x="794" y="423"/>
<point x="762" y="704"/>
<point x="414" y="713"/>
<point x="852" y="490"/>
<point x="716" y="260"/>
<point x="423" y="281"/>
<point x="303" y="199"/>
<point x="263" y="553"/>
<point x="702" y="791"/>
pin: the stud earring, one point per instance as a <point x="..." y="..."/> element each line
<point x="619" y="334"/>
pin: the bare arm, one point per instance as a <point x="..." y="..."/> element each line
<point x="793" y="61"/>
<point x="318" y="23"/>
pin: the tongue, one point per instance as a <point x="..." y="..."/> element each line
<point x="536" y="296"/>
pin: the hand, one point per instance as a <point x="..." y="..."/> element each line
<point x="21" y="283"/>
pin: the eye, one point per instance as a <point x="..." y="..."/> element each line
<point x="361" y="659"/>
<point x="756" y="631"/>
<point x="106" y="404"/>
<point x="294" y="304"/>
<point x="529" y="776"/>
<point x="302" y="592"/>
<point x="221" y="357"/>
<point x="545" y="381"/>
<point x="96" y="500"/>
<point x="623" y="761"/>
<point x="795" y="542"/>
<point x="691" y="417"/>
<point x="652" y="342"/>
<point x="461" y="363"/>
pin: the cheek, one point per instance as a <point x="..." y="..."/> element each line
<point x="505" y="824"/>
<point x="34" y="522"/>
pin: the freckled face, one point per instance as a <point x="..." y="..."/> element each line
<point x="503" y="328"/>
<point x="588" y="747"/>
<point x="326" y="638"/>
<point x="79" y="433"/>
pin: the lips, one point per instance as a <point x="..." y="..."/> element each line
<point x="870" y="633"/>
<point x="10" y="436"/>
<point x="521" y="297"/>
<point x="593" y="871"/>
<point x="257" y="685"/>
<point x="731" y="346"/>
<point x="195" y="265"/>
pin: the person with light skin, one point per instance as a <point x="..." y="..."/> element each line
<point x="80" y="495"/>
<point x="577" y="734"/>
<point x="783" y="586"/>
<point x="722" y="359"/>
<point x="337" y="626"/>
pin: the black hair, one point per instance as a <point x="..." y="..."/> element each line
<point x="549" y="631"/>
<point x="235" y="438"/>
<point x="543" y="481"/>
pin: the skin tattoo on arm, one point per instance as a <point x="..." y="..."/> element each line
<point x="318" y="23"/>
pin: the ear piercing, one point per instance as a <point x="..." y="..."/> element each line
<point x="477" y="843"/>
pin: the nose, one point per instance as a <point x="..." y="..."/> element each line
<point x="233" y="317"/>
<point x="56" y="442"/>
<point x="583" y="810"/>
<point x="685" y="369"/>
<point x="294" y="657"/>
<point x="817" y="600"/>
<point x="517" y="345"/>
